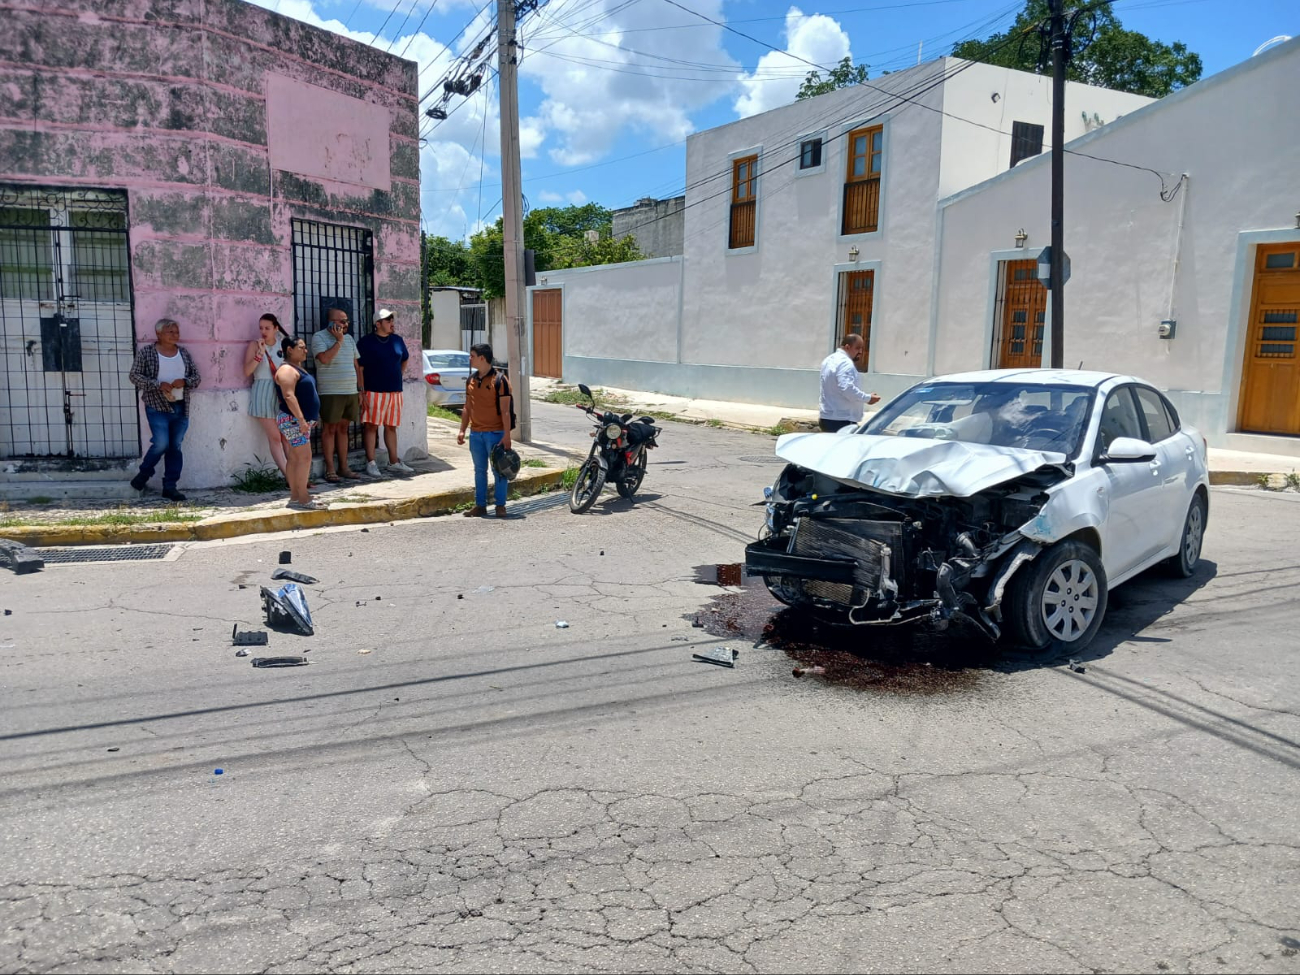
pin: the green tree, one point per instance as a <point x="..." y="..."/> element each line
<point x="448" y="262"/>
<point x="556" y="235"/>
<point x="843" y="75"/>
<point x="1124" y="60"/>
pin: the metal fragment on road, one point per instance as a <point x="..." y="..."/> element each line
<point x="1077" y="666"/>
<point x="722" y="656"/>
<point x="279" y="661"/>
<point x="292" y="576"/>
<point x="242" y="652"/>
<point x="808" y="671"/>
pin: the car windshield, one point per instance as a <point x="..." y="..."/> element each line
<point x="1030" y="416"/>
<point x="447" y="360"/>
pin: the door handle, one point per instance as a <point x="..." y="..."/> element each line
<point x="1155" y="468"/>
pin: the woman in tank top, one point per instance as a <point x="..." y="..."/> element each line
<point x="261" y="361"/>
<point x="298" y="411"/>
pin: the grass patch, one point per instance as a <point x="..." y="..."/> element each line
<point x="780" y="429"/>
<point x="263" y="479"/>
<point x="665" y="415"/>
<point x="569" y="478"/>
<point x="569" y="395"/>
<point x="534" y="462"/>
<point x="714" y="422"/>
<point x="117" y="518"/>
<point x="1293" y="481"/>
<point x="442" y="413"/>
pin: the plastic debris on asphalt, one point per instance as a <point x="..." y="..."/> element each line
<point x="561" y="625"/>
<point x="285" y="558"/>
<point x="365" y="650"/>
<point x="1077" y="666"/>
<point x="247" y="638"/>
<point x="287" y="607"/>
<point x="294" y="577"/>
<point x="242" y="652"/>
<point x="279" y="661"/>
<point x="722" y="656"/>
<point x="808" y="671"/>
<point x="484" y="590"/>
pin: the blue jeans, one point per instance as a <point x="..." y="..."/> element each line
<point x="480" y="448"/>
<point x="167" y="431"/>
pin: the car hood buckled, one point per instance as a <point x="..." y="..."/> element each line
<point x="910" y="466"/>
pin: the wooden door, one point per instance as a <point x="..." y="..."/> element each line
<point x="857" y="289"/>
<point x="1270" y="380"/>
<point x="1024" y="311"/>
<point x="548" y="338"/>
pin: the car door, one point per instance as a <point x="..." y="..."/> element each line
<point x="1134" y="527"/>
<point x="1176" y="456"/>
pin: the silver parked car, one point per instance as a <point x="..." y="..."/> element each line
<point x="1015" y="498"/>
<point x="446" y="372"/>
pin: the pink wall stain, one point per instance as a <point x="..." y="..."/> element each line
<point x="317" y="132"/>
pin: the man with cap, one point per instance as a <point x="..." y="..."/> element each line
<point x="382" y="356"/>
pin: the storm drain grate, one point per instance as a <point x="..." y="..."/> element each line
<point x="115" y="553"/>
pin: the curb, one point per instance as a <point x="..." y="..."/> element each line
<point x="374" y="512"/>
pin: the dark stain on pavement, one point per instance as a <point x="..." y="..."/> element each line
<point x="903" y="660"/>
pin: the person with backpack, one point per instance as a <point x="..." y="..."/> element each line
<point x="490" y="415"/>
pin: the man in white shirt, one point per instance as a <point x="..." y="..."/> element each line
<point x="842" y="398"/>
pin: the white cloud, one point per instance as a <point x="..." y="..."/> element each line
<point x="778" y="74"/>
<point x="602" y="76"/>
<point x="577" y="197"/>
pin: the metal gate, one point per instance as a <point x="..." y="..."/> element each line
<point x="67" y="324"/>
<point x="473" y="325"/>
<point x="333" y="267"/>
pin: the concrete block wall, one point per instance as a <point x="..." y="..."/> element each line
<point x="224" y="122"/>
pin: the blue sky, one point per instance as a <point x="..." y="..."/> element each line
<point x="603" y="80"/>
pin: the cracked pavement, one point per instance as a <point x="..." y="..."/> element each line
<point x="484" y="792"/>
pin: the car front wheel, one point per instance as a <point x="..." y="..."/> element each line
<point x="1057" y="601"/>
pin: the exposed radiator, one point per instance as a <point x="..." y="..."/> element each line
<point x="874" y="547"/>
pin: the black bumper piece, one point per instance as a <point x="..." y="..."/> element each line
<point x="769" y="558"/>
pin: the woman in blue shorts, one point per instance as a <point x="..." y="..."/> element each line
<point x="299" y="411"/>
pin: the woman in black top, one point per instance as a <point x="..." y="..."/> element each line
<point x="299" y="411"/>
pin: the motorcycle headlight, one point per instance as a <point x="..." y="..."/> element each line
<point x="613" y="431"/>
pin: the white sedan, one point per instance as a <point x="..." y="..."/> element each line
<point x="446" y="372"/>
<point x="1014" y="498"/>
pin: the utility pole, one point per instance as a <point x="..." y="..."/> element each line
<point x="1060" y="47"/>
<point x="512" y="213"/>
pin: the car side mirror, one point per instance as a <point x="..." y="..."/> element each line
<point x="582" y="388"/>
<point x="1128" y="450"/>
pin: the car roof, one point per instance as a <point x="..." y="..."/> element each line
<point x="445" y="352"/>
<point x="1037" y="377"/>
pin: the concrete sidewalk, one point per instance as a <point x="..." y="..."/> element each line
<point x="1226" y="466"/>
<point x="443" y="483"/>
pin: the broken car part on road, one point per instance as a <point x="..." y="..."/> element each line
<point x="286" y="608"/>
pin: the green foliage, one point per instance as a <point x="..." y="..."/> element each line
<point x="1124" y="60"/>
<point x="534" y="462"/>
<point x="556" y="235"/>
<point x="442" y="413"/>
<point x="449" y="262"/>
<point x="569" y="477"/>
<point x="569" y="395"/>
<point x="262" y="479"/>
<point x="843" y="75"/>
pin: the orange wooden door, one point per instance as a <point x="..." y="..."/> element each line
<point x="1270" y="380"/>
<point x="1024" y="312"/>
<point x="548" y="337"/>
<point x="857" y="289"/>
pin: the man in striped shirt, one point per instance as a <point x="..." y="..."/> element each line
<point x="338" y="377"/>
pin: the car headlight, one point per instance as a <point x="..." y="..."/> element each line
<point x="613" y="431"/>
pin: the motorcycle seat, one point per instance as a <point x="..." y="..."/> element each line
<point x="641" y="431"/>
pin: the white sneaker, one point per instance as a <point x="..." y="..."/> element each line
<point x="401" y="468"/>
<point x="372" y="470"/>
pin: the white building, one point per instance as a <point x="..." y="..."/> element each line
<point x="1220" y="260"/>
<point x="801" y="224"/>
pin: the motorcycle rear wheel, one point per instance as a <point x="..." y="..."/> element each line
<point x="587" y="488"/>
<point x="631" y="480"/>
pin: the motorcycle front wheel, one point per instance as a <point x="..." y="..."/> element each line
<point x="631" y="480"/>
<point x="587" y="488"/>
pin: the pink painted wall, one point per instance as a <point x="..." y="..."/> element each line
<point x="224" y="122"/>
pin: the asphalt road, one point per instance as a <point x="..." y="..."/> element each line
<point x="484" y="791"/>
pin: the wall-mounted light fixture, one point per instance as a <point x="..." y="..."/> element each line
<point x="853" y="253"/>
<point x="1297" y="220"/>
<point x="995" y="97"/>
<point x="1021" y="237"/>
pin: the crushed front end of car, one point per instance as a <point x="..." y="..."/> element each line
<point x="875" y="530"/>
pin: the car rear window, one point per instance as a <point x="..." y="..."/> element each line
<point x="448" y="361"/>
